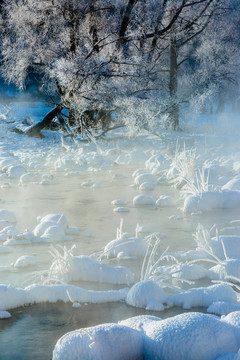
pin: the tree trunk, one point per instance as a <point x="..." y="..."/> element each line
<point x="174" y="111"/>
<point x="34" y="130"/>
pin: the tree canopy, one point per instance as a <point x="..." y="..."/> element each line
<point x="135" y="56"/>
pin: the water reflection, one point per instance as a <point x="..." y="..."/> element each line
<point x="33" y="331"/>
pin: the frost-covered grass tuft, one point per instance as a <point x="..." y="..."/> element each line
<point x="61" y="265"/>
<point x="152" y="270"/>
<point x="183" y="167"/>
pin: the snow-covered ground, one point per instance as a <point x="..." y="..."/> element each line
<point x="151" y="221"/>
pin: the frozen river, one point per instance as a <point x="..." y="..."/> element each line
<point x="81" y="184"/>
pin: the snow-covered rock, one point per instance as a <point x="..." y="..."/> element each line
<point x="148" y="295"/>
<point x="210" y="200"/>
<point x="141" y="200"/>
<point x="189" y="336"/>
<point x="142" y="178"/>
<point x="146" y="186"/>
<point x="125" y="248"/>
<point x="165" y="200"/>
<point x="102" y="342"/>
<point x="25" y="261"/>
<point x="15" y="171"/>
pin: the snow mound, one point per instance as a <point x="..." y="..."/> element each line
<point x="222" y="308"/>
<point x="5" y="315"/>
<point x="142" y="178"/>
<point x="148" y="295"/>
<point x="125" y="247"/>
<point x="25" y="261"/>
<point x="28" y="178"/>
<point x="141" y="200"/>
<point x="203" y="296"/>
<point x="15" y="171"/>
<point x="146" y="186"/>
<point x="165" y="200"/>
<point x="67" y="267"/>
<point x="189" y="336"/>
<point x="209" y="200"/>
<point x="102" y="342"/>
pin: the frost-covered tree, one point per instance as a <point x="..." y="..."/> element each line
<point x="93" y="55"/>
<point x="208" y="70"/>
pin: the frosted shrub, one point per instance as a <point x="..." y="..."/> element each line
<point x="182" y="170"/>
<point x="226" y="269"/>
<point x="161" y="275"/>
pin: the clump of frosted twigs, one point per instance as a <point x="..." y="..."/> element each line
<point x="61" y="264"/>
<point x="151" y="268"/>
<point x="197" y="184"/>
<point x="187" y="175"/>
<point x="183" y="166"/>
<point x="203" y="240"/>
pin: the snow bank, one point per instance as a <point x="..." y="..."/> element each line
<point x="67" y="267"/>
<point x="190" y="336"/>
<point x="222" y="308"/>
<point x="203" y="296"/>
<point x="228" y="270"/>
<point x="210" y="200"/>
<point x="11" y="297"/>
